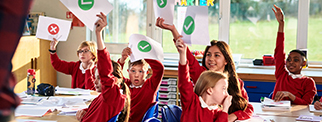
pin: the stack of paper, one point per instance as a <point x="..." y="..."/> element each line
<point x="309" y="118"/>
<point x="31" y="110"/>
<point x="269" y="104"/>
<point x="312" y="109"/>
<point x="71" y="91"/>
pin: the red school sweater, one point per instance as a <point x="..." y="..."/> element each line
<point x="143" y="98"/>
<point x="303" y="88"/>
<point x="79" y="80"/>
<point x="110" y="102"/>
<point x="191" y="106"/>
<point x="195" y="70"/>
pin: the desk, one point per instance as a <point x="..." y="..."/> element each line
<point x="51" y="116"/>
<point x="283" y="116"/>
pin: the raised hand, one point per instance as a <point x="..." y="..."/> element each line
<point x="181" y="46"/>
<point x="279" y="14"/>
<point x="160" y="23"/>
<point x="101" y="23"/>
<point x="53" y="44"/>
<point x="227" y="103"/>
<point x="125" y="53"/>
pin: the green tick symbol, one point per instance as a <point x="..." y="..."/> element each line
<point x="188" y="25"/>
<point x="85" y="4"/>
<point x="144" y="46"/>
<point x="162" y="3"/>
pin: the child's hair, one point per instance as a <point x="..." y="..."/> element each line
<point x="301" y="53"/>
<point x="208" y="79"/>
<point x="139" y="62"/>
<point x="117" y="72"/>
<point x="92" y="47"/>
<point x="238" y="102"/>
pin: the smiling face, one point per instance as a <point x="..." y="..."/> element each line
<point x="295" y="63"/>
<point x="84" y="54"/>
<point x="137" y="74"/>
<point x="219" y="92"/>
<point x="215" y="60"/>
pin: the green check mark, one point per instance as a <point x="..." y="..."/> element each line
<point x="162" y="3"/>
<point x="144" y="46"/>
<point x="85" y="4"/>
<point x="188" y="25"/>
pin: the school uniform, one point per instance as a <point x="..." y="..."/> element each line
<point x="299" y="85"/>
<point x="194" y="109"/>
<point x="111" y="101"/>
<point x="81" y="78"/>
<point x="144" y="96"/>
<point x="195" y="70"/>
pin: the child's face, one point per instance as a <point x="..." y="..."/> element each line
<point x="97" y="83"/>
<point x="137" y="74"/>
<point x="294" y="63"/>
<point x="220" y="92"/>
<point x="215" y="60"/>
<point x="84" y="54"/>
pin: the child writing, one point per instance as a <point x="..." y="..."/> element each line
<point x="114" y="96"/>
<point x="82" y="70"/>
<point x="200" y="104"/>
<point x="218" y="57"/>
<point x="143" y="91"/>
<point x="290" y="84"/>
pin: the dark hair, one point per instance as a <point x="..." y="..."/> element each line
<point x="301" y="53"/>
<point x="238" y="102"/>
<point x="117" y="72"/>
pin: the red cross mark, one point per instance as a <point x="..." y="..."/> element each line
<point x="53" y="29"/>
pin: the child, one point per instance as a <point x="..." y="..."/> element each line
<point x="143" y="91"/>
<point x="218" y="57"/>
<point x="210" y="91"/>
<point x="114" y="97"/>
<point x="81" y="70"/>
<point x="318" y="104"/>
<point x="290" y="84"/>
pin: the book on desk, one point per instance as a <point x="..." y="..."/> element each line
<point x="270" y="105"/>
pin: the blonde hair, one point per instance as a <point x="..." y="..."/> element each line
<point x="92" y="47"/>
<point x="208" y="79"/>
<point x="139" y="62"/>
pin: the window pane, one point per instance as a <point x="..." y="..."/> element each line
<point x="167" y="43"/>
<point x="315" y="31"/>
<point x="253" y="27"/>
<point x="126" y="18"/>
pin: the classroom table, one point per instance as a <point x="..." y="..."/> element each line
<point x="51" y="117"/>
<point x="282" y="116"/>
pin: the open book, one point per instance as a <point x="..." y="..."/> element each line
<point x="270" y="105"/>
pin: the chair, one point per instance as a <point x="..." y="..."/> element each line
<point x="151" y="112"/>
<point x="171" y="113"/>
<point x="114" y="118"/>
<point x="153" y="119"/>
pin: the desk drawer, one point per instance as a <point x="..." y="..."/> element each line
<point x="259" y="87"/>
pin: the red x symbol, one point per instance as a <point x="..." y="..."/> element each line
<point x="53" y="29"/>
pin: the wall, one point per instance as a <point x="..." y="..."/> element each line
<point x="66" y="50"/>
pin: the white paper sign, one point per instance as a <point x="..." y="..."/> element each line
<point x="164" y="9"/>
<point x="143" y="47"/>
<point x="86" y="10"/>
<point x="49" y="28"/>
<point x="195" y="26"/>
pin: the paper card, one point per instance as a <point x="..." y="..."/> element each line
<point x="143" y="47"/>
<point x="309" y="118"/>
<point x="195" y="26"/>
<point x="49" y="28"/>
<point x="164" y="9"/>
<point x="312" y="109"/>
<point x="270" y="102"/>
<point x="86" y="10"/>
<point x="181" y="14"/>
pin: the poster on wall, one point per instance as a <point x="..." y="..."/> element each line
<point x="49" y="28"/>
<point x="86" y="10"/>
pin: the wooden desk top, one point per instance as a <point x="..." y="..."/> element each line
<point x="51" y="116"/>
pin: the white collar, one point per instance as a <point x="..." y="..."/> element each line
<point x="294" y="76"/>
<point x="82" y="68"/>
<point x="133" y="86"/>
<point x="204" y="105"/>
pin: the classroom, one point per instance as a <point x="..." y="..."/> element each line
<point x="264" y="53"/>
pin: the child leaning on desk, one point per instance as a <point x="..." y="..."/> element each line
<point x="200" y="104"/>
<point x="82" y="70"/>
<point x="290" y="83"/>
<point x="143" y="91"/>
<point x="114" y="97"/>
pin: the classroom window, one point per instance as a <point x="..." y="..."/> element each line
<point x="127" y="17"/>
<point x="315" y="31"/>
<point x="253" y="27"/>
<point x="167" y="38"/>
